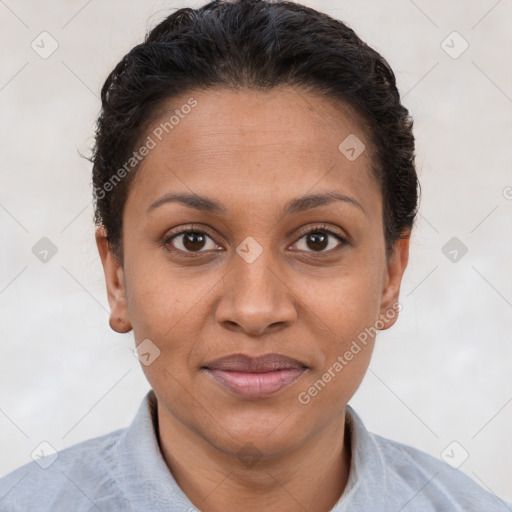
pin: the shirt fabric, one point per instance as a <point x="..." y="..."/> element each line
<point x="125" y="471"/>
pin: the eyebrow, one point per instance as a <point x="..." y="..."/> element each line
<point x="299" y="204"/>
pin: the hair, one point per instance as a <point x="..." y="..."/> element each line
<point x="259" y="45"/>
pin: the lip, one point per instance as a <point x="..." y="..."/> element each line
<point x="255" y="377"/>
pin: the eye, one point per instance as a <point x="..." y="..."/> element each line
<point x="191" y="240"/>
<point x="320" y="239"/>
<point x="194" y="240"/>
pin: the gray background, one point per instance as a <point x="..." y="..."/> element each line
<point x="441" y="374"/>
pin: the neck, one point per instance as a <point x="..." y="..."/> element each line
<point x="309" y="477"/>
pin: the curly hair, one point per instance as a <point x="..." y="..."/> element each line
<point x="255" y="44"/>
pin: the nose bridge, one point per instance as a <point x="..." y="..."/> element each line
<point x="255" y="298"/>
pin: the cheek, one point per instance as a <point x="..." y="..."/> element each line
<point x="158" y="293"/>
<point x="346" y="302"/>
<point x="174" y="307"/>
<point x="344" y="319"/>
<point x="164" y="300"/>
<point x="167" y="306"/>
<point x="344" y="312"/>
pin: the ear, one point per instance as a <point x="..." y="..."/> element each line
<point x="114" y="279"/>
<point x="390" y="306"/>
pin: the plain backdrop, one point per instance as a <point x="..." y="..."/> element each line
<point x="441" y="374"/>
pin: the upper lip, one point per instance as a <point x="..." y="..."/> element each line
<point x="261" y="364"/>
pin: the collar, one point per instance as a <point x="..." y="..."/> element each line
<point x="147" y="483"/>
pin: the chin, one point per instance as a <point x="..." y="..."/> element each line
<point x="269" y="431"/>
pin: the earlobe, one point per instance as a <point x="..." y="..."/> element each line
<point x="395" y="269"/>
<point x="118" y="324"/>
<point x="115" y="282"/>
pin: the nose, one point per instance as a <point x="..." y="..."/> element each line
<point x="256" y="299"/>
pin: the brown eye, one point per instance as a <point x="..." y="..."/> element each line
<point x="191" y="241"/>
<point x="320" y="240"/>
<point x="317" y="241"/>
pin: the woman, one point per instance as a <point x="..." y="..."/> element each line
<point x="255" y="192"/>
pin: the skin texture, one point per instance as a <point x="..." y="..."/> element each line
<point x="253" y="152"/>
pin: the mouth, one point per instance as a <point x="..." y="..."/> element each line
<point x="255" y="377"/>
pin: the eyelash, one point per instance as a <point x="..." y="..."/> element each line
<point x="200" y="230"/>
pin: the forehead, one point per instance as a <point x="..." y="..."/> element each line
<point x="254" y="144"/>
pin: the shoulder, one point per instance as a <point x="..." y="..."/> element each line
<point x="388" y="476"/>
<point x="78" y="474"/>
<point x="428" y="483"/>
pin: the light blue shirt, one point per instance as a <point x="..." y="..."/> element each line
<point x="125" y="471"/>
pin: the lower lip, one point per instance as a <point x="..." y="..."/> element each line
<point x="256" y="385"/>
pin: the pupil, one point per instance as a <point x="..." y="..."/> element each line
<point x="193" y="238"/>
<point x="317" y="238"/>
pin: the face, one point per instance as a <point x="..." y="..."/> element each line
<point x="251" y="289"/>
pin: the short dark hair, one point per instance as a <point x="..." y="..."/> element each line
<point x="254" y="44"/>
